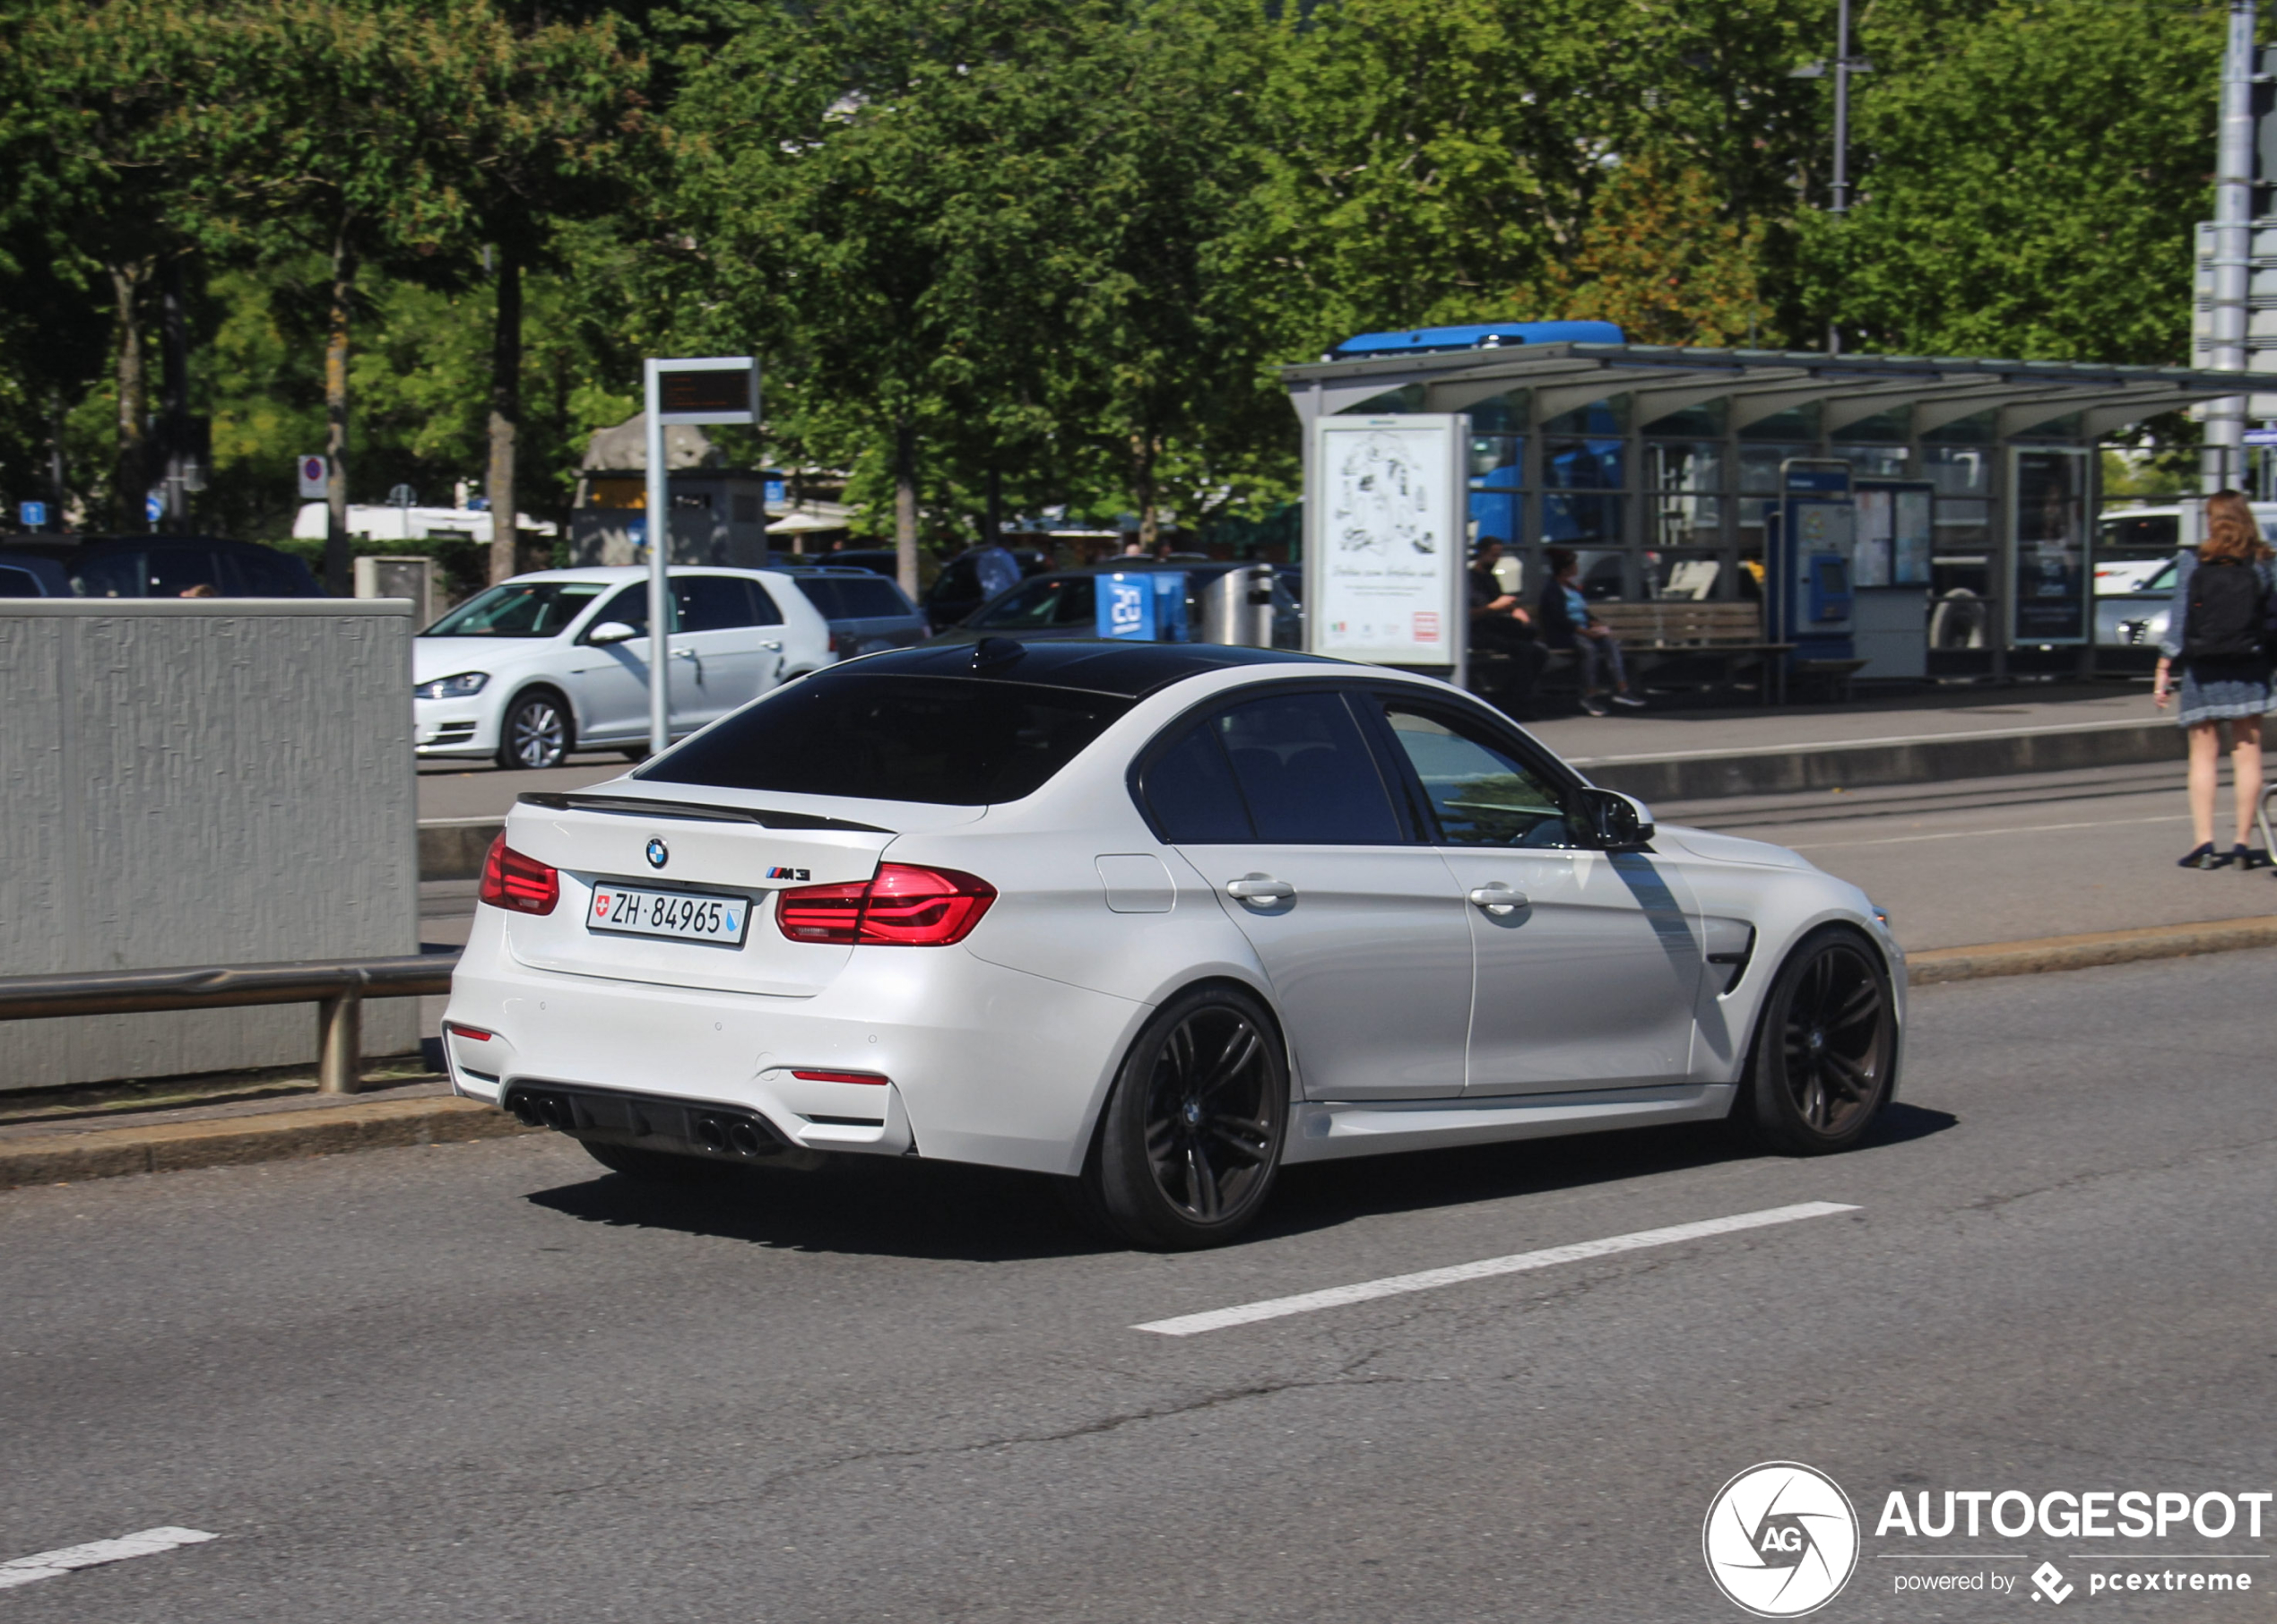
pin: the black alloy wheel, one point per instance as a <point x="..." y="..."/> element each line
<point x="1191" y="1139"/>
<point x="1826" y="1049"/>
<point x="537" y="731"/>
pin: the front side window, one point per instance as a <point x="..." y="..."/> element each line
<point x="527" y="609"/>
<point x="1481" y="794"/>
<point x="948" y="740"/>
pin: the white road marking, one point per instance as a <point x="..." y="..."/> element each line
<point x="54" y="1564"/>
<point x="1900" y="840"/>
<point x="1367" y="1291"/>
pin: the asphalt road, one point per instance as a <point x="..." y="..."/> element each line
<point x="488" y="1381"/>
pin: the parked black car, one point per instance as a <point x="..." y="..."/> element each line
<point x="866" y="611"/>
<point x="29" y="569"/>
<point x="1063" y="603"/>
<point x="185" y="566"/>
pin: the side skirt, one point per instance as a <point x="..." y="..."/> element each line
<point x="1323" y="1130"/>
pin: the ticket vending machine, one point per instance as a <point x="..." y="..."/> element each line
<point x="1809" y="594"/>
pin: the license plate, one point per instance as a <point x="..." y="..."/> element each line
<point x="629" y="911"/>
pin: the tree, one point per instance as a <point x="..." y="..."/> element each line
<point x="2029" y="173"/>
<point x="1659" y="257"/>
<point x="92" y="97"/>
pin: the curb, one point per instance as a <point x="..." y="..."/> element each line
<point x="2053" y="953"/>
<point x="110" y="1153"/>
<point x="327" y="1130"/>
<point x="1857" y="763"/>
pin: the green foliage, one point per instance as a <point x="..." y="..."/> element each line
<point x="1049" y="251"/>
<point x="2034" y="170"/>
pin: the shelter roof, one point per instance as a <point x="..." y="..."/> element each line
<point x="1760" y="384"/>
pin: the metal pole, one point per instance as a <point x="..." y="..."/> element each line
<point x="660" y="547"/>
<point x="2220" y="464"/>
<point x="1841" y="189"/>
<point x="340" y="1042"/>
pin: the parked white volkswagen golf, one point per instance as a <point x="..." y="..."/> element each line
<point x="1155" y="918"/>
<point x="557" y="660"/>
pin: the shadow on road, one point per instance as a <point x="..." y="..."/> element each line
<point x="942" y="1210"/>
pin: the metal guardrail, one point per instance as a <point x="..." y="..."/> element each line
<point x="337" y="987"/>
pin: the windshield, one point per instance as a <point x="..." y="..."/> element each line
<point x="519" y="608"/>
<point x="950" y="740"/>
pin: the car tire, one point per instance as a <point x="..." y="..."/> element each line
<point x="536" y="732"/>
<point x="1190" y="1140"/>
<point x="657" y="1167"/>
<point x="1825" y="1058"/>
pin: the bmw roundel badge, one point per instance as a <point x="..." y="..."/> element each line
<point x="658" y="854"/>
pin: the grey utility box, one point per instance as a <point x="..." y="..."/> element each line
<point x="411" y="577"/>
<point x="202" y="782"/>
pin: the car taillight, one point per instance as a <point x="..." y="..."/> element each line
<point x="523" y="883"/>
<point x="902" y="906"/>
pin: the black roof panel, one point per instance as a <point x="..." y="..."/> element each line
<point x="1131" y="669"/>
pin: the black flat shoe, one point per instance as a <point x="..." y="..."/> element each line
<point x="2205" y="857"/>
<point x="2250" y="857"/>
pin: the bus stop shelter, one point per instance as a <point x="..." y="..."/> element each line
<point x="1660" y="466"/>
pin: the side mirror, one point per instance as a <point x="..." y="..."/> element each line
<point x="612" y="631"/>
<point x="1612" y="822"/>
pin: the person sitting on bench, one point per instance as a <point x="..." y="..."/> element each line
<point x="1500" y="625"/>
<point x="1566" y="623"/>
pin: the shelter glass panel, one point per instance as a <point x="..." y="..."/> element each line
<point x="1494" y="460"/>
<point x="1584" y="464"/>
<point x="1685" y="465"/>
<point x="2051" y="546"/>
<point x="1503" y="414"/>
<point x="1975" y="429"/>
<point x="1758" y="467"/>
<point x="1392" y="402"/>
<point x="1710" y="419"/>
<point x="1691" y="573"/>
<point x="1875" y="462"/>
<point x="1796" y="423"/>
<point x="1573" y="519"/>
<point x="1494" y="517"/>
<point x="1606" y="417"/>
<point x="1678" y="519"/>
<point x="1892" y="426"/>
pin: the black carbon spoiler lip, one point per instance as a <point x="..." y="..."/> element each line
<point x="690" y="811"/>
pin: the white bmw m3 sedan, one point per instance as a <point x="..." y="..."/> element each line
<point x="1154" y="918"/>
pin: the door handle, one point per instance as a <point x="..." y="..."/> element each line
<point x="1260" y="888"/>
<point x="683" y="654"/>
<point x="775" y="646"/>
<point x="1498" y="899"/>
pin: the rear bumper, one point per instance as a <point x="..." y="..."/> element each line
<point x="975" y="1062"/>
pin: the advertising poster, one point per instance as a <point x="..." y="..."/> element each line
<point x="1384" y="526"/>
<point x="2051" y="546"/>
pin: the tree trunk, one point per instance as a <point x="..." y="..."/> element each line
<point x="130" y="472"/>
<point x="338" y="574"/>
<point x="906" y="506"/>
<point x="505" y="416"/>
<point x="1144" y="448"/>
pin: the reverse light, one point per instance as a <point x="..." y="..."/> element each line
<point x="842" y="1077"/>
<point x="523" y="883"/>
<point x="900" y="906"/>
<point x="452" y="687"/>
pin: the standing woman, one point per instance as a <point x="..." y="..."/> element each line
<point x="2217" y="630"/>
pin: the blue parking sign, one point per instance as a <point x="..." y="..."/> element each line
<point x="154" y="507"/>
<point x="33" y="515"/>
<point x="1142" y="606"/>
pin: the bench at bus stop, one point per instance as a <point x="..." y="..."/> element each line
<point x="1700" y="646"/>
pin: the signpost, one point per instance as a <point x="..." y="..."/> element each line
<point x="716" y="389"/>
<point x="1383" y="542"/>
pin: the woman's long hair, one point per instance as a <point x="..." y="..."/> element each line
<point x="2232" y="534"/>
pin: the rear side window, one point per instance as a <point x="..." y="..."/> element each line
<point x="182" y="571"/>
<point x="265" y="575"/>
<point x="1056" y="600"/>
<point x="951" y="742"/>
<point x="844" y="598"/>
<point x="1298" y="765"/>
<point x="714" y="603"/>
<point x="109" y="575"/>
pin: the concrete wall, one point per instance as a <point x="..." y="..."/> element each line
<point x="201" y="781"/>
